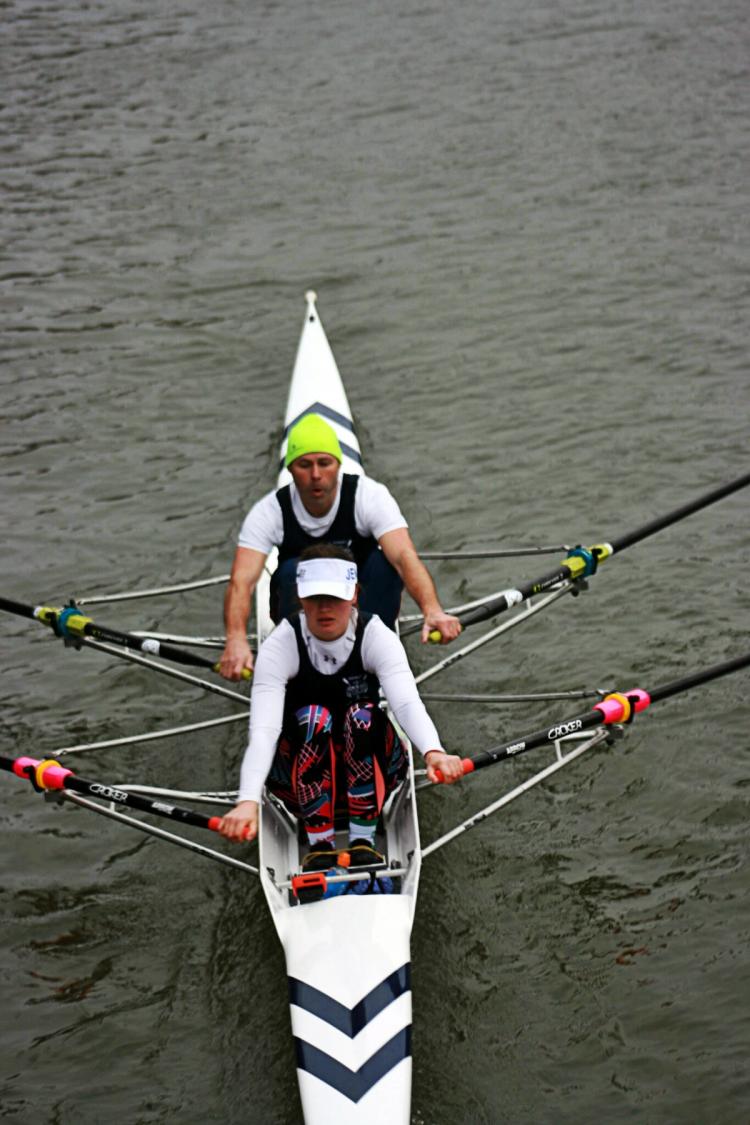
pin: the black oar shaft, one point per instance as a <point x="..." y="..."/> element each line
<point x="142" y="644"/>
<point x="51" y="775"/>
<point x="567" y="571"/>
<point x="80" y="625"/>
<point x="601" y="715"/>
<point x="695" y="679"/>
<point x="650" y="528"/>
<point x="17" y="607"/>
<point x="521" y="593"/>
<point x="537" y="738"/>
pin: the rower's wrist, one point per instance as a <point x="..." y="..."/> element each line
<point x="237" y="636"/>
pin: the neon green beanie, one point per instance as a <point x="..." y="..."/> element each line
<point x="312" y="434"/>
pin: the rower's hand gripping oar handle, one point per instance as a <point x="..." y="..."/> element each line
<point x="579" y="563"/>
<point x="467" y="766"/>
<point x="245" y="674"/>
<point x="215" y="821"/>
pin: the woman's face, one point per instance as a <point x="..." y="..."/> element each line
<point x="327" y="618"/>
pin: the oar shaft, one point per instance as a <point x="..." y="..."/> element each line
<point x="617" y="707"/>
<point x="146" y="644"/>
<point x="650" y="528"/>
<point x="18" y="608"/>
<point x="695" y="679"/>
<point x="70" y="622"/>
<point x="543" y="737"/>
<point x="51" y="775"/>
<point x="572" y="568"/>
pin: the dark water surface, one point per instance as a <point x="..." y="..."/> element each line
<point x="527" y="225"/>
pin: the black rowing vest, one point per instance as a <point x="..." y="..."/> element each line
<point x="338" y="691"/>
<point x="342" y="532"/>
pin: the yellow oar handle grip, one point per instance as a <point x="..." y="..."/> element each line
<point x="244" y="675"/>
<point x="435" y="637"/>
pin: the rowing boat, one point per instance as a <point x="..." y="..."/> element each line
<point x="347" y="957"/>
<point x="347" y="954"/>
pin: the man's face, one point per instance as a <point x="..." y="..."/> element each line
<point x="316" y="476"/>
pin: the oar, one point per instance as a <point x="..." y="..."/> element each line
<point x="49" y="774"/>
<point x="69" y="623"/>
<point x="582" y="562"/>
<point x="619" y="707"/>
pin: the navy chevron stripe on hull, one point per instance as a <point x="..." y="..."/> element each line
<point x="354" y="1084"/>
<point x="325" y="412"/>
<point x="350" y="1020"/>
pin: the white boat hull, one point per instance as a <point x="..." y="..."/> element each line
<point x="347" y="957"/>
<point x="347" y="960"/>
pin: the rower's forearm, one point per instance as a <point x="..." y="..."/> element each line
<point x="419" y="585"/>
<point x="237" y="602"/>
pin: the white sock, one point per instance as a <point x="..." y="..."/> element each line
<point x="325" y="837"/>
<point x="362" y="832"/>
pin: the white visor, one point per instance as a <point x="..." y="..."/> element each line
<point x="335" y="577"/>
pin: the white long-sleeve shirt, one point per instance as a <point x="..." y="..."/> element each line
<point x="278" y="662"/>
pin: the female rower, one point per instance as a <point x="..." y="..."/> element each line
<point x="315" y="703"/>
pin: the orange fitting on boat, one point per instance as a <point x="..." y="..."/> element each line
<point x="310" y="886"/>
<point x="49" y="774"/>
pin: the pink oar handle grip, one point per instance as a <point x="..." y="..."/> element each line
<point x="20" y="766"/>
<point x="623" y="706"/>
<point x="467" y="766"/>
<point x="47" y="774"/>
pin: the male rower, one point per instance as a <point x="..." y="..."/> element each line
<point x="314" y="702"/>
<point x="322" y="504"/>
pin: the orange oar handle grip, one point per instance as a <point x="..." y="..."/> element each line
<point x="215" y="821"/>
<point x="467" y="766"/>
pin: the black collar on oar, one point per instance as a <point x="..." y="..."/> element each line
<point x="582" y="562"/>
<point x="70" y="624"/>
<point x="619" y="707"/>
<point x="50" y="775"/>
